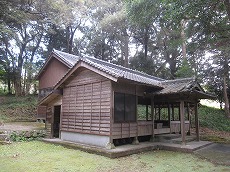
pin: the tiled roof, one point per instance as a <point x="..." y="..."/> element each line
<point x="68" y="58"/>
<point x="167" y="86"/>
<point x="111" y="69"/>
<point x="178" y="86"/>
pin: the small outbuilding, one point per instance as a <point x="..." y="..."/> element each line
<point x="94" y="102"/>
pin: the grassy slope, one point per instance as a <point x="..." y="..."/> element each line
<point x="17" y="108"/>
<point x="214" y="119"/>
<point x="38" y="156"/>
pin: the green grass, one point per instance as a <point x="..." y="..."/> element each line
<point x="38" y="156"/>
<point x="213" y="118"/>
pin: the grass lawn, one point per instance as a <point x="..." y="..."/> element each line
<point x="39" y="156"/>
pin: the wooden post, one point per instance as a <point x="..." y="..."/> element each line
<point x="173" y="112"/>
<point x="182" y="122"/>
<point x="189" y="120"/>
<point x="159" y="112"/>
<point x="52" y="122"/>
<point x="169" y="114"/>
<point x="135" y="140"/>
<point x="179" y="113"/>
<point x="146" y="112"/>
<point x="197" y="122"/>
<point x="153" y="116"/>
<point x="110" y="145"/>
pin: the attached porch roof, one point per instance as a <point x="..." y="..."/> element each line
<point x="183" y="86"/>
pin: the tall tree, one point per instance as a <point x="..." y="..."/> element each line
<point x="211" y="18"/>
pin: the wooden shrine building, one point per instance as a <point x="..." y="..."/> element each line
<point x="90" y="101"/>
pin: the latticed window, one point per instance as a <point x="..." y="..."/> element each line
<point x="124" y="107"/>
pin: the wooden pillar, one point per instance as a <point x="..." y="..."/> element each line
<point x="159" y="112"/>
<point x="197" y="122"/>
<point x="153" y="117"/>
<point x="189" y="119"/>
<point x="169" y="114"/>
<point x="182" y="122"/>
<point x="110" y="145"/>
<point x="136" y="141"/>
<point x="173" y="112"/>
<point x="147" y="112"/>
<point x="179" y="113"/>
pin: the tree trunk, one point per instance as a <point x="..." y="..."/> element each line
<point x="8" y="86"/>
<point x="183" y="37"/>
<point x="29" y="79"/>
<point x="126" y="51"/>
<point x="227" y="5"/>
<point x="124" y="38"/>
<point x="17" y="83"/>
<point x="146" y="40"/>
<point x="226" y="100"/>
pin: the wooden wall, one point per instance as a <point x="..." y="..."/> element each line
<point x="41" y="112"/>
<point x="49" y="115"/>
<point x="49" y="122"/>
<point x="54" y="71"/>
<point x="86" y="104"/>
<point x="128" y="129"/>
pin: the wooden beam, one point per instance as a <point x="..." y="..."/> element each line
<point x="182" y="122"/>
<point x="197" y="122"/>
<point x="111" y="114"/>
<point x="172" y="111"/>
<point x="153" y="116"/>
<point x="189" y="119"/>
<point x="169" y="114"/>
<point x="146" y="112"/>
<point x="159" y="112"/>
<point x="174" y="98"/>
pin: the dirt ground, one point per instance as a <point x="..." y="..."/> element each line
<point x="22" y="126"/>
<point x="216" y="153"/>
<point x="207" y="131"/>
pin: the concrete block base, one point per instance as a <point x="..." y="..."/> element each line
<point x="89" y="139"/>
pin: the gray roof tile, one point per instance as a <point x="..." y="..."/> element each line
<point x="177" y="86"/>
<point x="111" y="69"/>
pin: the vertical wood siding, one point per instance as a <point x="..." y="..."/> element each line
<point x="86" y="104"/>
<point x="48" y="121"/>
<point x="52" y="74"/>
<point x="41" y="112"/>
<point x="128" y="129"/>
<point x="49" y="115"/>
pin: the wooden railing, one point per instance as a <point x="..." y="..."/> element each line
<point x="175" y="126"/>
<point x="145" y="128"/>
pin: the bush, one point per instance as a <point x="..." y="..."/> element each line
<point x="213" y="118"/>
<point x="27" y="135"/>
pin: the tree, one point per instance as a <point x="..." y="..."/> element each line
<point x="21" y="34"/>
<point x="107" y="35"/>
<point x="208" y="23"/>
<point x="160" y="37"/>
<point x="185" y="70"/>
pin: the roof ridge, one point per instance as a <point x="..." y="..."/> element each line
<point x="73" y="57"/>
<point x="125" y="68"/>
<point x="179" y="80"/>
<point x="110" y="68"/>
<point x="90" y="62"/>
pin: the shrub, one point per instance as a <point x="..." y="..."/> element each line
<point x="213" y="118"/>
<point x="27" y="135"/>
